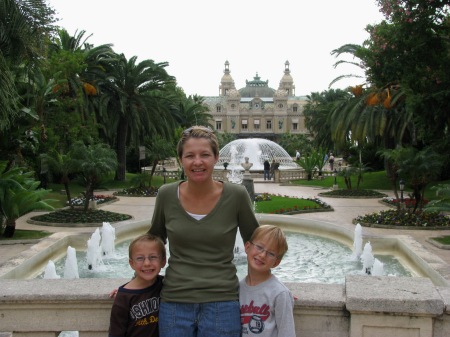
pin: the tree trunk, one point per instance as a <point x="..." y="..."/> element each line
<point x="122" y="132"/>
<point x="69" y="198"/>
<point x="10" y="228"/>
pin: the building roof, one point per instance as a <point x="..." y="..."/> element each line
<point x="257" y="88"/>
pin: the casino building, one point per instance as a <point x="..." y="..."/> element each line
<point x="256" y="110"/>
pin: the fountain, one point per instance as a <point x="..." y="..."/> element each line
<point x="235" y="175"/>
<point x="309" y="259"/>
<point x="257" y="150"/>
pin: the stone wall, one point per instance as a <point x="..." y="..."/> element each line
<point x="365" y="306"/>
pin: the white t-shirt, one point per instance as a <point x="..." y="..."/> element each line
<point x="267" y="309"/>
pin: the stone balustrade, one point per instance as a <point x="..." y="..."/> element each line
<point x="280" y="175"/>
<point x="363" y="306"/>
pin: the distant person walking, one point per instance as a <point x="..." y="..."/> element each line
<point x="266" y="170"/>
<point x="331" y="161"/>
<point x="273" y="167"/>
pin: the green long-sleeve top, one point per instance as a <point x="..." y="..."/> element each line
<point x="200" y="267"/>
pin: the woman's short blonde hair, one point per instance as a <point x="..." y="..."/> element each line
<point x="198" y="131"/>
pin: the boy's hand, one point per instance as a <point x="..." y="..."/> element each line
<point x="113" y="293"/>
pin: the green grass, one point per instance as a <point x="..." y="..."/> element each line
<point x="371" y="181"/>
<point x="445" y="240"/>
<point x="279" y="203"/>
<point x="21" y="234"/>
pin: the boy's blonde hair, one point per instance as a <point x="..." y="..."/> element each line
<point x="149" y="238"/>
<point x="272" y="234"/>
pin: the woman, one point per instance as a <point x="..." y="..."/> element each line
<point x="200" y="218"/>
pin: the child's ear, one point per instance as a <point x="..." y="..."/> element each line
<point x="276" y="263"/>
<point x="247" y="246"/>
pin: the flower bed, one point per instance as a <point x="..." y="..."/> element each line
<point x="138" y="192"/>
<point x="74" y="216"/>
<point x="409" y="203"/>
<point x="353" y="194"/>
<point x="404" y="219"/>
<point x="99" y="198"/>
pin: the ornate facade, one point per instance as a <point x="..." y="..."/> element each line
<point x="257" y="110"/>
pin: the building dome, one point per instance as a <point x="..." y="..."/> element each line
<point x="257" y="88"/>
<point x="280" y="93"/>
<point x="233" y="93"/>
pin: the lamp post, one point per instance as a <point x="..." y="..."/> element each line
<point x="402" y="187"/>
<point x="335" y="186"/>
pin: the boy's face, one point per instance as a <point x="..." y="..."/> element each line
<point x="262" y="254"/>
<point x="146" y="260"/>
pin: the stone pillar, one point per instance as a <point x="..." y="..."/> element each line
<point x="247" y="181"/>
<point x="276" y="176"/>
<point x="383" y="306"/>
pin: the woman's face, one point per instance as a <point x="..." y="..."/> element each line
<point x="198" y="159"/>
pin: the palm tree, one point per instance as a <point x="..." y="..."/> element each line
<point x="24" y="27"/>
<point x="91" y="162"/>
<point x="318" y="112"/>
<point x="133" y="103"/>
<point x="19" y="194"/>
<point x="417" y="167"/>
<point x="61" y="165"/>
<point x="191" y="111"/>
<point x="76" y="68"/>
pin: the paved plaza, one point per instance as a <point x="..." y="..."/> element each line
<point x="345" y="210"/>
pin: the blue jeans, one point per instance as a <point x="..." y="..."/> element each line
<point x="266" y="174"/>
<point x="212" y="319"/>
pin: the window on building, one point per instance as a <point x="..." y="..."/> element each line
<point x="233" y="106"/>
<point x="295" y="108"/>
<point x="218" y="108"/>
<point x="244" y="125"/>
<point x="269" y="124"/>
<point x="280" y="106"/>
<point x="294" y="126"/>
<point x="256" y="124"/>
<point x="218" y="125"/>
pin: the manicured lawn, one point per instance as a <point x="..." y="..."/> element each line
<point x="371" y="181"/>
<point x="445" y="240"/>
<point x="282" y="204"/>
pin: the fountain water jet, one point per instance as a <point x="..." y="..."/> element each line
<point x="108" y="234"/>
<point x="94" y="250"/>
<point x="71" y="267"/>
<point x="235" y="175"/>
<point x="50" y="271"/>
<point x="257" y="150"/>
<point x="357" y="242"/>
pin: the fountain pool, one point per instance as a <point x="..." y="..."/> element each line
<point x="310" y="258"/>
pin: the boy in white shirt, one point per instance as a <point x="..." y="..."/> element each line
<point x="267" y="305"/>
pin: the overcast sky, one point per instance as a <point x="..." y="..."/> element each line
<point x="196" y="37"/>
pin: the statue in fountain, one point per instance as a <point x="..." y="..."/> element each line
<point x="246" y="165"/>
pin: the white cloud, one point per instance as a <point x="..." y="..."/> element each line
<point x="196" y="37"/>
